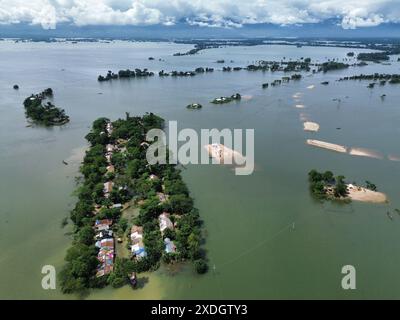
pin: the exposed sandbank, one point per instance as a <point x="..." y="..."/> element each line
<point x="327" y="145"/>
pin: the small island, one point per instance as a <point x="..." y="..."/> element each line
<point x="130" y="217"/>
<point x="194" y="106"/>
<point x="44" y="113"/>
<point x="223" y="100"/>
<point x="325" y="186"/>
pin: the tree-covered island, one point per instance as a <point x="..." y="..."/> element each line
<point x="116" y="175"/>
<point x="326" y="186"/>
<point x="44" y="113"/>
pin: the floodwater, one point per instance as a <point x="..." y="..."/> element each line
<point x="265" y="236"/>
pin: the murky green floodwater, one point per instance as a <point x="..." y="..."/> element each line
<point x="253" y="250"/>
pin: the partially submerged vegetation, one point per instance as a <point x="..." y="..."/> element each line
<point x="44" y="113"/>
<point x="383" y="78"/>
<point x="326" y="186"/>
<point x="222" y="100"/>
<point x="137" y="73"/>
<point x="116" y="172"/>
<point x="373" y="56"/>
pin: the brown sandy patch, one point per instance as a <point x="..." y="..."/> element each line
<point x="224" y="155"/>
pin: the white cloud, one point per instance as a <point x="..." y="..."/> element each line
<point x="217" y="13"/>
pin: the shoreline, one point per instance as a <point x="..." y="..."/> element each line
<point x="362" y="194"/>
<point x="311" y="126"/>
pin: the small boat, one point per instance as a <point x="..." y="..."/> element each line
<point x="389" y="215"/>
<point x="65" y="162"/>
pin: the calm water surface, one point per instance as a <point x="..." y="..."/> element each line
<point x="254" y="252"/>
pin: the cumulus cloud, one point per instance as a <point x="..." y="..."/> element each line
<point x="215" y="13"/>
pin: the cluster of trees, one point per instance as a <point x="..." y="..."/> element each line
<point x="79" y="272"/>
<point x="187" y="232"/>
<point x="322" y="182"/>
<point x="332" y="65"/>
<point x="165" y="179"/>
<point x="297" y="65"/>
<point x="286" y="66"/>
<point x="381" y="77"/>
<point x="373" y="56"/>
<point x="44" y="113"/>
<point x="371" y="186"/>
<point x="125" y="74"/>
<point x="198" y="47"/>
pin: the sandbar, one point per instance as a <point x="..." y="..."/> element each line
<point x="365" y="195"/>
<point x="311" y="126"/>
<point x="327" y="145"/>
<point x="362" y="152"/>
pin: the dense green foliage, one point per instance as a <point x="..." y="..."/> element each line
<point x="44" y="113"/>
<point x="373" y="56"/>
<point x="322" y="182"/>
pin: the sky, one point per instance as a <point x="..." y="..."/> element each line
<point x="48" y="14"/>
